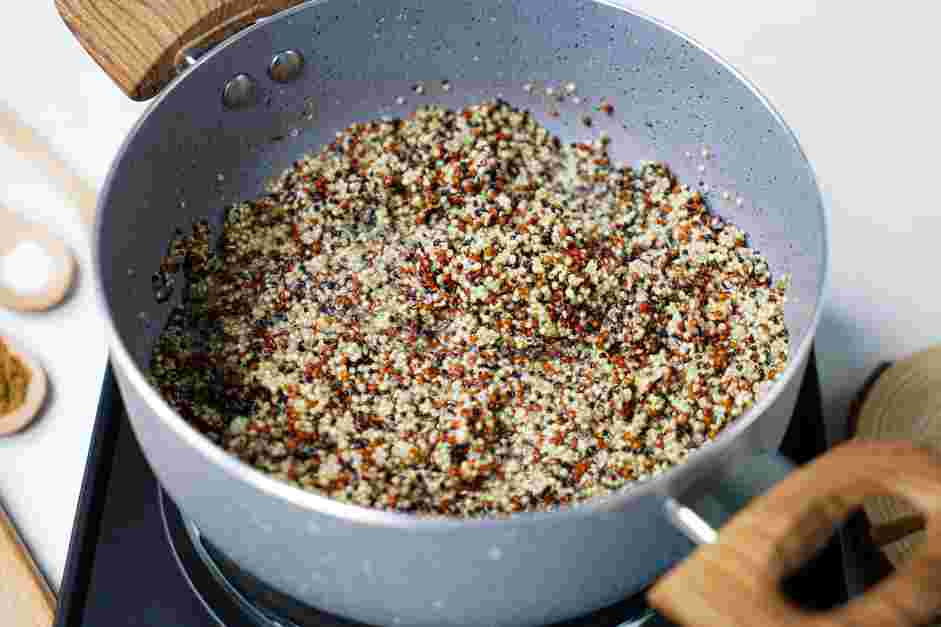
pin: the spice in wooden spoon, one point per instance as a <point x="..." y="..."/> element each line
<point x="22" y="387"/>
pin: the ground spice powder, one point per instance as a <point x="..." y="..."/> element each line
<point x="14" y="381"/>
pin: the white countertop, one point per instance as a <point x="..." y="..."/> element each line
<point x="859" y="88"/>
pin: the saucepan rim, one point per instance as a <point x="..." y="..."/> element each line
<point x="276" y="489"/>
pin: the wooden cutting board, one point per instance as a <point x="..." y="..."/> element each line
<point x="900" y="401"/>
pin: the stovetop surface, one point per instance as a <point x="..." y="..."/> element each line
<point x="121" y="569"/>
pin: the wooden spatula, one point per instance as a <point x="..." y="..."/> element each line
<point x="25" y="598"/>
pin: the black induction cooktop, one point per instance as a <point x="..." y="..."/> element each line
<point x="133" y="561"/>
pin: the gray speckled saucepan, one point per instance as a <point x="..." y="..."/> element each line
<point x="672" y="98"/>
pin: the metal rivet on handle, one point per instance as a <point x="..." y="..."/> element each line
<point x="286" y="66"/>
<point x="239" y="92"/>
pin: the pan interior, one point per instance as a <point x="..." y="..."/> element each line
<point x="190" y="156"/>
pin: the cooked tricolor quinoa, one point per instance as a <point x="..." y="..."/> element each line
<point x="456" y="314"/>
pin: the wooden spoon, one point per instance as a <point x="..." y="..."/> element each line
<point x="35" y="393"/>
<point x="25" y="597"/>
<point x="28" y="143"/>
<point x="16" y="231"/>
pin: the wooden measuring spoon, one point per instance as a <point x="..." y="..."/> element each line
<point x="25" y="597"/>
<point x="35" y="393"/>
<point x="28" y="143"/>
<point x="16" y="231"/>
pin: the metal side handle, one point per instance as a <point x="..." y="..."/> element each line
<point x="700" y="515"/>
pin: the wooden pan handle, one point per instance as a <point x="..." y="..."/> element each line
<point x="735" y="582"/>
<point x="138" y="42"/>
<point x="25" y="599"/>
